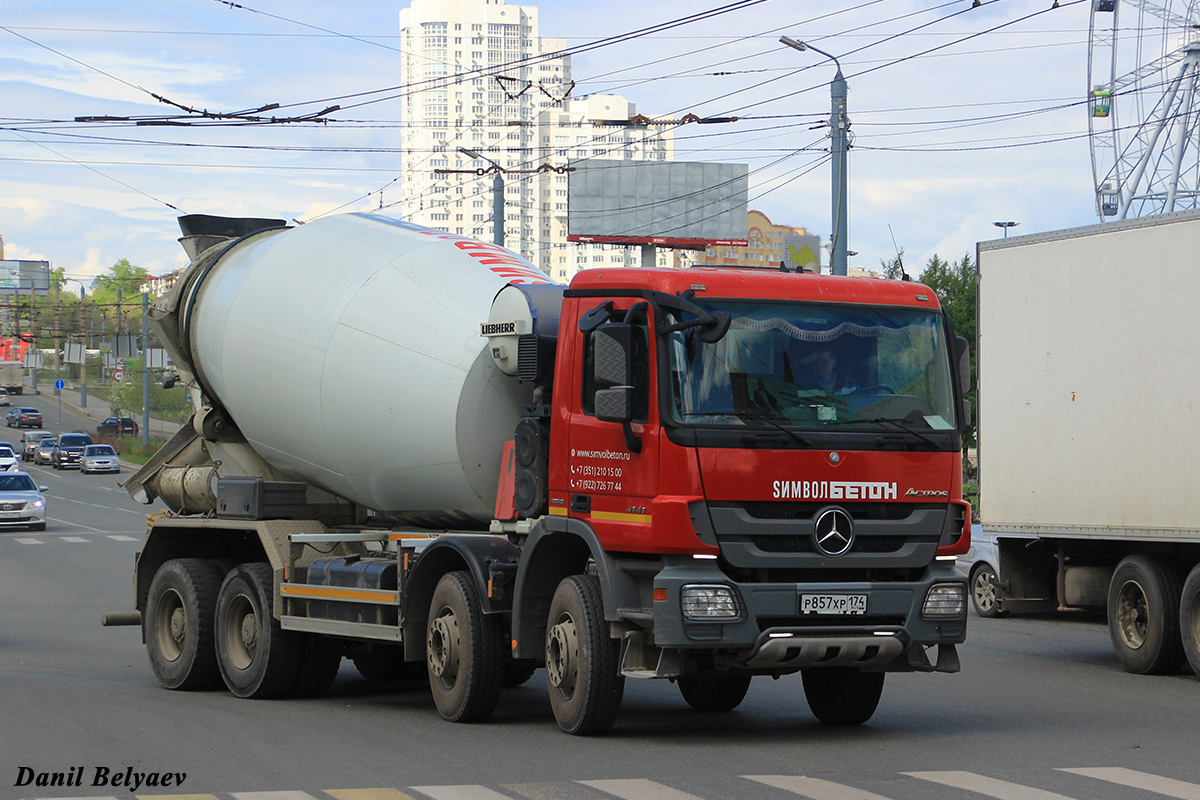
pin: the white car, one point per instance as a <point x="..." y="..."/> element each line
<point x="3" y="397"/>
<point x="99" y="458"/>
<point x="9" y="462"/>
<point x="21" y="502"/>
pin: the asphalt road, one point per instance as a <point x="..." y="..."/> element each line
<point x="1038" y="696"/>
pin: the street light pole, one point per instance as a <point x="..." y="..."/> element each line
<point x="839" y="145"/>
<point x="1005" y="226"/>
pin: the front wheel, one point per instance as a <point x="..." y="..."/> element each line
<point x="985" y="592"/>
<point x="258" y="659"/>
<point x="842" y="695"/>
<point x="1143" y="615"/>
<point x="715" y="694"/>
<point x="585" y="685"/>
<point x="462" y="651"/>
<point x="177" y="623"/>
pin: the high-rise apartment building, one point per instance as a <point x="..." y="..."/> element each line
<point x="479" y="77"/>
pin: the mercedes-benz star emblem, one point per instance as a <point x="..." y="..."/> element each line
<point x="835" y="532"/>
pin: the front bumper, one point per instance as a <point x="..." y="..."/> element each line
<point x="771" y="634"/>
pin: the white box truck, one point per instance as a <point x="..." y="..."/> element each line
<point x="1089" y="428"/>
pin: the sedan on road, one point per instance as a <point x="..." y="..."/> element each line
<point x="24" y="417"/>
<point x="8" y="458"/>
<point x="45" y="451"/>
<point x="99" y="458"/>
<point x="118" y="426"/>
<point x="21" y="502"/>
<point x="68" y="453"/>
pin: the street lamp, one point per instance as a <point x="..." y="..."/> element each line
<point x="1006" y="226"/>
<point x="839" y="128"/>
<point x="497" y="194"/>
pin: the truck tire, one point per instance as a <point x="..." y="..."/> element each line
<point x="582" y="674"/>
<point x="985" y="592"/>
<point x="842" y="695"/>
<point x="1143" y="615"/>
<point x="258" y="659"/>
<point x="320" y="659"/>
<point x="1189" y="619"/>
<point x="715" y="693"/>
<point x="178" y="623"/>
<point x="518" y="671"/>
<point x="462" y="651"/>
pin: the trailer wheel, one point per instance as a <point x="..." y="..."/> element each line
<point x="258" y="659"/>
<point x="462" y="651"/>
<point x="842" y="695"/>
<point x="715" y="694"/>
<point x="1189" y="618"/>
<point x="985" y="591"/>
<point x="1143" y="615"/>
<point x="320" y="659"/>
<point x="581" y="659"/>
<point x="178" y="623"/>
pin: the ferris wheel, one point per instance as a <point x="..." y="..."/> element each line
<point x="1144" y="121"/>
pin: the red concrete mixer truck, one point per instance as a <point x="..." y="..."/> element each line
<point x="416" y="451"/>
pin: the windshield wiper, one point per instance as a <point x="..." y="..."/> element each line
<point x="895" y="423"/>
<point x="757" y="416"/>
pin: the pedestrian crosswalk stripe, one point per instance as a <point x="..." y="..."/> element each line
<point x="472" y="792"/>
<point x="639" y="789"/>
<point x="23" y="540"/>
<point x="991" y="787"/>
<point x="273" y="796"/>
<point x="122" y="538"/>
<point x="76" y="539"/>
<point x="177" y="797"/>
<point x="554" y="791"/>
<point x="815" y="788"/>
<point x="1141" y="780"/>
<point x="368" y="794"/>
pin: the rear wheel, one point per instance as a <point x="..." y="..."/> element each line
<point x="1143" y="615"/>
<point x="462" y="651"/>
<point x="715" y="693"/>
<point x="581" y="659"/>
<point x="1189" y="618"/>
<point x="985" y="592"/>
<point x="842" y="695"/>
<point x="258" y="659"/>
<point x="178" y="623"/>
<point x="320" y="659"/>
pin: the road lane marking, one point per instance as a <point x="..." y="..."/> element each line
<point x="992" y="787"/>
<point x="639" y="789"/>
<point x="24" y="540"/>
<point x="120" y="537"/>
<point x="76" y="539"/>
<point x="814" y="788"/>
<point x="1141" y="780"/>
<point x="75" y="525"/>
<point x="368" y="794"/>
<point x="553" y="791"/>
<point x="176" y="797"/>
<point x="293" y="795"/>
<point x="466" y="792"/>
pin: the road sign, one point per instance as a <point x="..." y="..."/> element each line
<point x="60" y="384"/>
<point x="119" y="376"/>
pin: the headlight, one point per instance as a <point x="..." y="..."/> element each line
<point x="945" y="600"/>
<point x="709" y="603"/>
<point x="38" y="503"/>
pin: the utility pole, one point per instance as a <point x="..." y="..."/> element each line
<point x="839" y="145"/>
<point x="86" y="342"/>
<point x="145" y="370"/>
<point x="57" y="337"/>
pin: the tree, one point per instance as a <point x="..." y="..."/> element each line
<point x="893" y="269"/>
<point x="955" y="285"/>
<point x="117" y="295"/>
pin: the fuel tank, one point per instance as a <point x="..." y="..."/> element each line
<point x="349" y="352"/>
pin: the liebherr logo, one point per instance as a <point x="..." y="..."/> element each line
<point x="833" y="490"/>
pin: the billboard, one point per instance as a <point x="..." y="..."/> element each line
<point x="687" y="204"/>
<point x="24" y="277"/>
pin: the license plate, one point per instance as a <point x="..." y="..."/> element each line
<point x="9" y="514"/>
<point x="833" y="604"/>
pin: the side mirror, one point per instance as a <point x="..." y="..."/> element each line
<point x="613" y="364"/>
<point x="963" y="351"/>
<point x="967" y="412"/>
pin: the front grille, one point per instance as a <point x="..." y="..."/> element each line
<point x="782" y="509"/>
<point x="830" y="621"/>
<point x="12" y="506"/>
<point x="804" y="543"/>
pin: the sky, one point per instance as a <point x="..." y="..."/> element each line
<point x="961" y="116"/>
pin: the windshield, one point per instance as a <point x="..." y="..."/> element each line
<point x="99" y="450"/>
<point x="17" y="483"/>
<point x="811" y="365"/>
<point x="74" y="441"/>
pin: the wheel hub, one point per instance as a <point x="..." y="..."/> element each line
<point x="442" y="646"/>
<point x="1132" y="615"/>
<point x="178" y="626"/>
<point x="562" y="655"/>
<point x="249" y="632"/>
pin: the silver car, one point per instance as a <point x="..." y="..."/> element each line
<point x="8" y="458"/>
<point x="21" y="502"/>
<point x="99" y="458"/>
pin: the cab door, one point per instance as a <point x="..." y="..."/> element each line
<point x="613" y="440"/>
